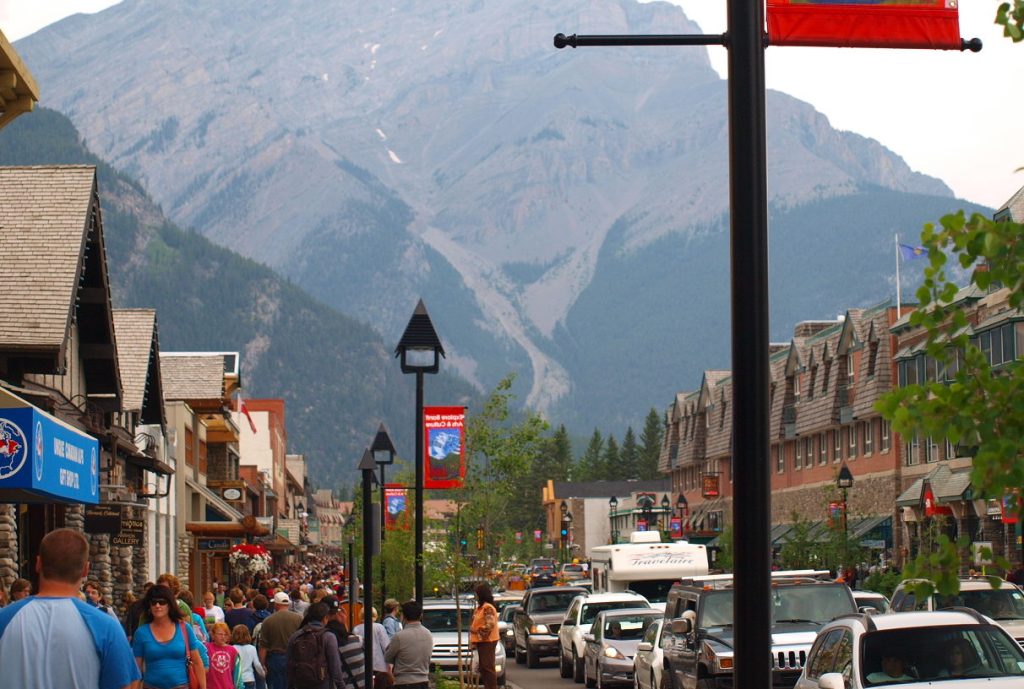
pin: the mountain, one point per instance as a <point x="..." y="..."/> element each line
<point x="338" y="378"/>
<point x="562" y="212"/>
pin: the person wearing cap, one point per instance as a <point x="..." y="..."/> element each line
<point x="274" y="634"/>
<point x="350" y="646"/>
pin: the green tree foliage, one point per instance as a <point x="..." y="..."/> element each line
<point x="981" y="407"/>
<point x="555" y="459"/>
<point x="650" y="446"/>
<point x="798" y="550"/>
<point x="1011" y="16"/>
<point x="629" y="457"/>
<point x="611" y="466"/>
<point x="589" y="467"/>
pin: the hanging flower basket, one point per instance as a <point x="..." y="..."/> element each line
<point x="249" y="559"/>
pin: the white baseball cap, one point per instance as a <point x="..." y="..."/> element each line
<point x="281" y="598"/>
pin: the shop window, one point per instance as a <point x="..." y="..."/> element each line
<point x="809" y="451"/>
<point x="851" y="436"/>
<point x="798" y="456"/>
<point x="869" y="440"/>
<point x="885" y="442"/>
<point x="823" y="448"/>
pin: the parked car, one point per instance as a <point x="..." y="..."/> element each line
<point x="699" y="632"/>
<point x="647" y="663"/>
<point x="955" y="648"/>
<point x="612" y="643"/>
<point x="871" y="599"/>
<point x="1004" y="602"/>
<point x="441" y="617"/>
<point x="536" y="624"/>
<point x="577" y="621"/>
<point x="505" y="631"/>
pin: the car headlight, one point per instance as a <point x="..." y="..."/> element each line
<point x="510" y="632"/>
<point x="539" y="629"/>
<point x="721" y="661"/>
<point x="612" y="652"/>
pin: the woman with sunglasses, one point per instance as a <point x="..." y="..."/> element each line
<point x="160" y="642"/>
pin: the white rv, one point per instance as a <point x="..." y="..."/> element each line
<point x="646" y="565"/>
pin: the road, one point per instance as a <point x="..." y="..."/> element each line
<point x="544" y="677"/>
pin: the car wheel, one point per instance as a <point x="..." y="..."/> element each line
<point x="520" y="656"/>
<point x="587" y="682"/>
<point x="531" y="657"/>
<point x="577" y="668"/>
<point x="564" y="665"/>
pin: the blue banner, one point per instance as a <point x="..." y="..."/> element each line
<point x="41" y="455"/>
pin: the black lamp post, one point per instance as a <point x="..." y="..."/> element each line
<point x="568" y="536"/>
<point x="383" y="454"/>
<point x="420" y="352"/>
<point x="646" y="504"/>
<point x="563" y="536"/>
<point x="682" y="506"/>
<point x="845" y="483"/>
<point x="367" y="467"/>
<point x="666" y="510"/>
<point x="351" y="571"/>
<point x="613" y="505"/>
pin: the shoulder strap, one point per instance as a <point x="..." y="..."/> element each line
<point x="188" y="648"/>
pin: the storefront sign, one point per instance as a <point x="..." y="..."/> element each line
<point x="131" y="533"/>
<point x="44" y="456"/>
<point x="444" y="428"/>
<point x="709" y="485"/>
<point x="216" y="543"/>
<point x="102" y="519"/>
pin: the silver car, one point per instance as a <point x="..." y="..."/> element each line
<point x="612" y="643"/>
<point x="450" y="647"/>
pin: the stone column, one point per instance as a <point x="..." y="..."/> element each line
<point x="140" y="553"/>
<point x="100" y="567"/>
<point x="74" y="517"/>
<point x="8" y="545"/>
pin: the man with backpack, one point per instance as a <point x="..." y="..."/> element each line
<point x="314" y="661"/>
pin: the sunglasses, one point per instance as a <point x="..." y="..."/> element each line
<point x="158" y="602"/>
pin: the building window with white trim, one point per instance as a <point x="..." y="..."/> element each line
<point x="809" y="451"/>
<point x="869" y="440"/>
<point x="913" y="448"/>
<point x="823" y="448"/>
<point x="798" y="456"/>
<point x="837" y="442"/>
<point x="851" y="434"/>
<point x="885" y="441"/>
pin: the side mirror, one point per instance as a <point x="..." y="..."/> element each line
<point x="589" y="638"/>
<point x="681" y="626"/>
<point x="867" y="609"/>
<point x="831" y="680"/>
<point x="644" y="647"/>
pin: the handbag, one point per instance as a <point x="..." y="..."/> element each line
<point x="193" y="672"/>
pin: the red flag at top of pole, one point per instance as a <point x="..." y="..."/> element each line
<point x="242" y="407"/>
<point x="933" y="24"/>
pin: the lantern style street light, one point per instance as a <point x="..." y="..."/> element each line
<point x="682" y="506"/>
<point x="666" y="510"/>
<point x="844" y="482"/>
<point x="613" y="506"/>
<point x="383" y="454"/>
<point x="420" y="352"/>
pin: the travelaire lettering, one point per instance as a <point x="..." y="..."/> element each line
<point x="68" y="451"/>
<point x="655" y="559"/>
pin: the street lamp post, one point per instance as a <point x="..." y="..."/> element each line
<point x="564" y="533"/>
<point x="613" y="505"/>
<point x="367" y="466"/>
<point x="666" y="510"/>
<point x="568" y="536"/>
<point x="683" y="506"/>
<point x="383" y="454"/>
<point x="351" y="571"/>
<point x="844" y="482"/>
<point x="420" y="352"/>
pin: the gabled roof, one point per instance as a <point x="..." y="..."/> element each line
<point x="1013" y="209"/>
<point x="138" y="351"/>
<point x="192" y="376"/>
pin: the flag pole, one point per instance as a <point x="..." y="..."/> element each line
<point x="899" y="301"/>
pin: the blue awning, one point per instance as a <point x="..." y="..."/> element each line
<point x="44" y="459"/>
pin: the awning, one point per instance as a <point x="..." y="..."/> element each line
<point x="779" y="532"/>
<point x="866" y="525"/>
<point x="215" y="501"/>
<point x="148" y="463"/>
<point x="44" y="459"/>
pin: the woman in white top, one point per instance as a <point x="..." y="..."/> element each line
<point x="248" y="658"/>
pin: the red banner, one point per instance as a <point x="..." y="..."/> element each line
<point x="396" y="502"/>
<point x="675" y="527"/>
<point x="1010" y="507"/>
<point x="931" y="24"/>
<point x="931" y="508"/>
<point x="444" y="430"/>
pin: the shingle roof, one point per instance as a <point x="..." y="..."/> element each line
<point x="192" y="376"/>
<point x="1014" y="206"/>
<point x="607" y="489"/>
<point x="43" y="217"/>
<point x="133" y="329"/>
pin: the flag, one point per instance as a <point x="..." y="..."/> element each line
<point x="242" y="407"/>
<point x="933" y="24"/>
<point x="909" y="253"/>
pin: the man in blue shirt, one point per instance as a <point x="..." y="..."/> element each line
<point x="45" y="639"/>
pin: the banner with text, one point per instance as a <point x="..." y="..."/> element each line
<point x="396" y="502"/>
<point x="932" y="24"/>
<point x="444" y="428"/>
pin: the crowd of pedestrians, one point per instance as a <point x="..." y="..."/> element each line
<point x="289" y="630"/>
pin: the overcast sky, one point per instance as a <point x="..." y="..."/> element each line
<point x="952" y="115"/>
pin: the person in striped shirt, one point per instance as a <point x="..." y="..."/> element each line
<point x="353" y="661"/>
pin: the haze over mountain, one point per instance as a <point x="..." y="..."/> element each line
<point x="563" y="213"/>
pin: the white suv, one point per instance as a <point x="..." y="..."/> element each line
<point x="956" y="648"/>
<point x="582" y="611"/>
<point x="1003" y="602"/>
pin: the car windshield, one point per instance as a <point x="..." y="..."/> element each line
<point x="446" y="619"/>
<point x="509" y="612"/>
<point x="552" y="602"/>
<point x="655" y="591"/>
<point x="938" y="653"/>
<point x="811" y="603"/>
<point x="590" y="610"/>
<point x="623" y="628"/>
<point x="999" y="604"/>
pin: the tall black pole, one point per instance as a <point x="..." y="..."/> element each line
<point x="383" y="520"/>
<point x="749" y="277"/>
<point x="351" y="583"/>
<point x="367" y="466"/>
<point x="419" y="487"/>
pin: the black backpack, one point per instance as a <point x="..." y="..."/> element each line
<point x="307" y="659"/>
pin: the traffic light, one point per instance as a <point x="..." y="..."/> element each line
<point x="462" y="545"/>
<point x="479" y="539"/>
<point x="565" y="533"/>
